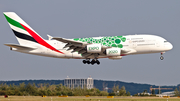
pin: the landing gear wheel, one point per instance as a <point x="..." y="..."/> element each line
<point x="88" y="62"/>
<point x="93" y="62"/>
<point x="84" y="61"/>
<point x="98" y="62"/>
<point x="161" y="57"/>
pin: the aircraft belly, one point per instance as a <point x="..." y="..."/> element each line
<point x="76" y="55"/>
<point x="68" y="55"/>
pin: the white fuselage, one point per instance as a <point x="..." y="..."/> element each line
<point x="136" y="44"/>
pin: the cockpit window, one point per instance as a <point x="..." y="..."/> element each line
<point x="165" y="41"/>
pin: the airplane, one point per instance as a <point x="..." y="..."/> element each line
<point x="89" y="49"/>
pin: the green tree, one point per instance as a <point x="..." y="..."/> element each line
<point x="31" y="89"/>
<point x="49" y="93"/>
<point x="115" y="88"/>
<point x="176" y="92"/>
<point x="122" y="91"/>
<point x="103" y="93"/>
<point x="42" y="92"/>
<point x="128" y="93"/>
<point x="2" y="92"/>
<point x="51" y="90"/>
<point x="22" y="87"/>
<point x="4" y="87"/>
<point x="112" y="94"/>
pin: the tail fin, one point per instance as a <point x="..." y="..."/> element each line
<point x="23" y="32"/>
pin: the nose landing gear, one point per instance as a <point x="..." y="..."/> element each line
<point x="92" y="62"/>
<point x="162" y="56"/>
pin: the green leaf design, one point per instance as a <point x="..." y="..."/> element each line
<point x="117" y="41"/>
<point x="76" y="39"/>
<point x="113" y="45"/>
<point x="120" y="46"/>
<point x="119" y="36"/>
<point x="123" y="39"/>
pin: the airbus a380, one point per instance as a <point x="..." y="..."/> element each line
<point x="89" y="49"/>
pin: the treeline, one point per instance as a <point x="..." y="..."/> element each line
<point x="133" y="88"/>
<point x="53" y="90"/>
<point x="119" y="92"/>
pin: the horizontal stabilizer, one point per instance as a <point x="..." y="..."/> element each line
<point x="20" y="47"/>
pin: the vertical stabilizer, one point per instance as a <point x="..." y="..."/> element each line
<point x="23" y="32"/>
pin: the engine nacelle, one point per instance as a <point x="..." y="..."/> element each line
<point x="113" y="52"/>
<point x="94" y="48"/>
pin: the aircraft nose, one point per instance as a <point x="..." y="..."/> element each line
<point x="169" y="46"/>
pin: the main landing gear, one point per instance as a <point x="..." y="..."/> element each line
<point x="162" y="56"/>
<point x="91" y="62"/>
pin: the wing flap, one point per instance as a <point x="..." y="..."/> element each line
<point x="20" y="47"/>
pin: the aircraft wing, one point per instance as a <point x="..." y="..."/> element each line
<point x="78" y="46"/>
<point x="70" y="41"/>
<point x="20" y="47"/>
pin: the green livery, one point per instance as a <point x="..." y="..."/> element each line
<point x="113" y="41"/>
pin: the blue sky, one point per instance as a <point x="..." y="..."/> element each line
<point x="90" y="18"/>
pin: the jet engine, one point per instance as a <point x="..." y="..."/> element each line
<point x="113" y="52"/>
<point x="94" y="48"/>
